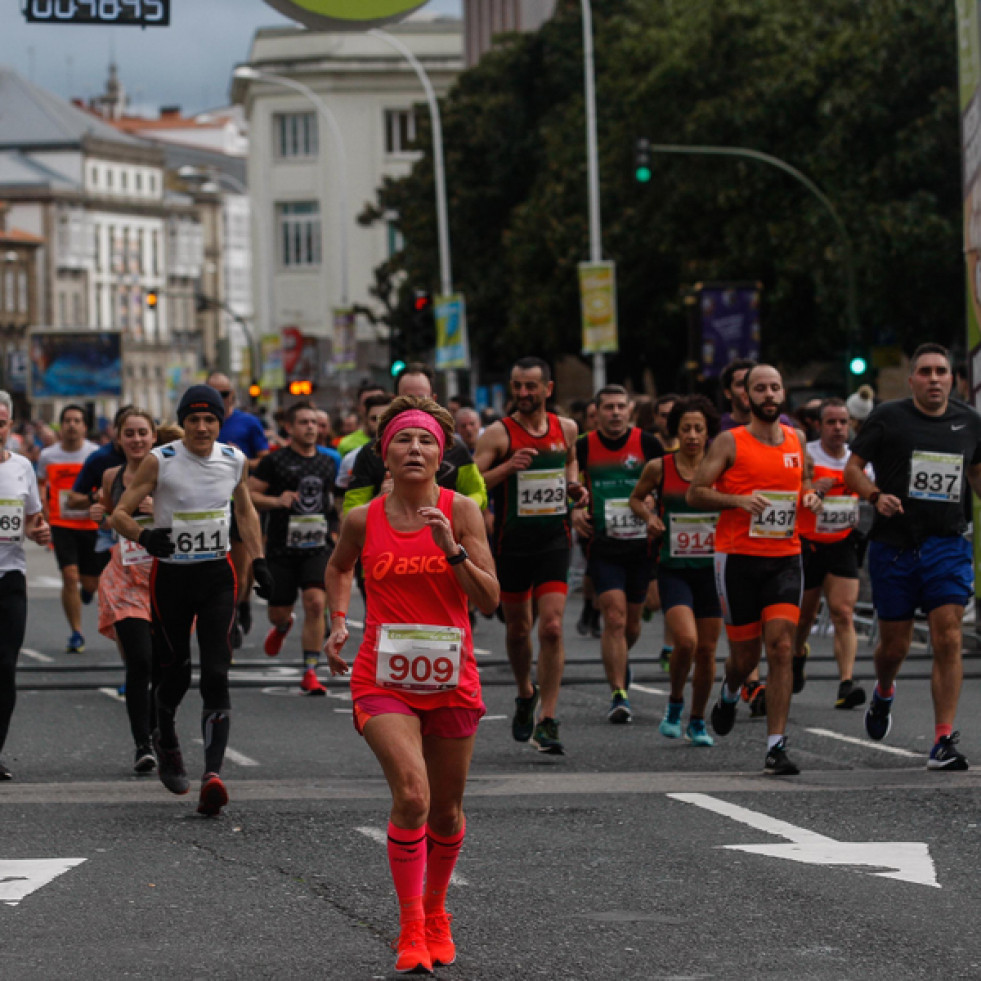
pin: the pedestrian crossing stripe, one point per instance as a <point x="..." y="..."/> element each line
<point x="20" y="877"/>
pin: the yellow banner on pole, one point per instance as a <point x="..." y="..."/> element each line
<point x="598" y="294"/>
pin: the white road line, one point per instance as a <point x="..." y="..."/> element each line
<point x="113" y="694"/>
<point x="235" y="756"/>
<point x="45" y="582"/>
<point x="867" y="743"/>
<point x="356" y="623"/>
<point x="376" y="834"/>
<point x="36" y="655"/>
<point x="492" y="718"/>
<point x="647" y="691"/>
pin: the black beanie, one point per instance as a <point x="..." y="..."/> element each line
<point x="200" y="398"/>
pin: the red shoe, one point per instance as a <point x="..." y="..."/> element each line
<point x="311" y="683"/>
<point x="213" y="796"/>
<point x="439" y="940"/>
<point x="273" y="643"/>
<point x="413" y="954"/>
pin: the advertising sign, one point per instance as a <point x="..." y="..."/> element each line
<point x="969" y="70"/>
<point x="271" y="352"/>
<point x="345" y="15"/>
<point x="598" y="295"/>
<point x="345" y="343"/>
<point x="452" y="340"/>
<point x="730" y="318"/>
<point x="75" y="364"/>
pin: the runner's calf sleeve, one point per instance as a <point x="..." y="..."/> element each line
<point x="214" y="731"/>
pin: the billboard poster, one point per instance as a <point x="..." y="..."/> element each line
<point x="271" y="353"/>
<point x="345" y="15"/>
<point x="452" y="340"/>
<point x="598" y="297"/>
<point x="969" y="73"/>
<point x="75" y="364"/>
<point x="730" y="319"/>
<point x="345" y="342"/>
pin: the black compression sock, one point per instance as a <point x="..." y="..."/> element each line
<point x="214" y="730"/>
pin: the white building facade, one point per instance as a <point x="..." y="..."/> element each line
<point x="297" y="199"/>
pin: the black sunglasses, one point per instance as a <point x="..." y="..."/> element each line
<point x="224" y="395"/>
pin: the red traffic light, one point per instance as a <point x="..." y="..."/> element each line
<point x="422" y="302"/>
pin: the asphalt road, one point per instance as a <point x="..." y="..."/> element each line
<point x="630" y="857"/>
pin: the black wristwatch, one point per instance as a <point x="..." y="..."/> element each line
<point x="460" y="557"/>
<point x="873" y="498"/>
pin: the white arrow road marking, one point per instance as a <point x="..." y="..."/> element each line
<point x="376" y="834"/>
<point x="867" y="743"/>
<point x="20" y="878"/>
<point x="113" y="693"/>
<point x="908" y="861"/>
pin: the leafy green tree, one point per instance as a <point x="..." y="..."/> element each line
<point x="860" y="96"/>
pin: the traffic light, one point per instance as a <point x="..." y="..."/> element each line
<point x="858" y="364"/>
<point x="255" y="390"/>
<point x="422" y="308"/>
<point x="152" y="299"/>
<point x="301" y="387"/>
<point x="397" y="366"/>
<point x="642" y="161"/>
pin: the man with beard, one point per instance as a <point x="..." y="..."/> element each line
<point x="926" y="451"/>
<point x="529" y="464"/>
<point x="294" y="485"/>
<point x="756" y="475"/>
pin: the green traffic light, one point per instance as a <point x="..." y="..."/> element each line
<point x="643" y="174"/>
<point x="397" y="366"/>
<point x="858" y="366"/>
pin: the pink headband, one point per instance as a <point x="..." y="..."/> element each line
<point x="413" y="419"/>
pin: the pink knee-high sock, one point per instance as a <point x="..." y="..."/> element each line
<point x="441" y="860"/>
<point x="407" y="860"/>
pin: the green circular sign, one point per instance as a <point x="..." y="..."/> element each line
<point x="345" y="15"/>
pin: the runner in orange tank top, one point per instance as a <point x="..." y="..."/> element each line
<point x="757" y="476"/>
<point x="415" y="685"/>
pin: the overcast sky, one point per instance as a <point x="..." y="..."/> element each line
<point x="187" y="64"/>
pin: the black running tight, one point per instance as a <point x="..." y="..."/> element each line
<point x="13" y="623"/>
<point x="135" y="640"/>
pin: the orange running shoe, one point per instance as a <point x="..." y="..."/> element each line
<point x="311" y="683"/>
<point x="273" y="643"/>
<point x="439" y="940"/>
<point x="413" y="954"/>
<point x="213" y="797"/>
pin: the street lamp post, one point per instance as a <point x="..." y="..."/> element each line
<point x="851" y="302"/>
<point x="439" y="168"/>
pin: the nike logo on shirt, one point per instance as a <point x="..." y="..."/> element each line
<point x="955" y="428"/>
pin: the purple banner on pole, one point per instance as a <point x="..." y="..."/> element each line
<point x="730" y="327"/>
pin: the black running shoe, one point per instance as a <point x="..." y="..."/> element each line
<point x="546" y="738"/>
<point x="170" y="766"/>
<point x="754" y="695"/>
<point x="245" y="617"/>
<point x="5" y="774"/>
<point x="523" y="723"/>
<point x="143" y="760"/>
<point x="850" y="695"/>
<point x="778" y="763"/>
<point x="878" y="717"/>
<point x="723" y="716"/>
<point x="945" y="755"/>
<point x="799" y="665"/>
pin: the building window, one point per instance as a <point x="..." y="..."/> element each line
<point x="108" y="177"/>
<point x="9" y="292"/>
<point x="299" y="224"/>
<point x="22" y="298"/>
<point x="123" y="179"/>
<point x="76" y="310"/>
<point x="396" y="241"/>
<point x="153" y="184"/>
<point x="155" y="253"/>
<point x="295" y="134"/>
<point x="139" y="181"/>
<point x="400" y="130"/>
<point x="98" y="304"/>
<point x="94" y="176"/>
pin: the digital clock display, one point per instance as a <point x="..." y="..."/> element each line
<point x="139" y="13"/>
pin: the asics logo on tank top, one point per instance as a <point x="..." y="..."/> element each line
<point x="412" y="565"/>
<point x="791" y="460"/>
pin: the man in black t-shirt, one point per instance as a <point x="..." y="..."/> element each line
<point x="926" y="454"/>
<point x="294" y="486"/>
<point x="618" y="554"/>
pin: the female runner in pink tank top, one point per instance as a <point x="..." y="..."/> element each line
<point x="415" y="686"/>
